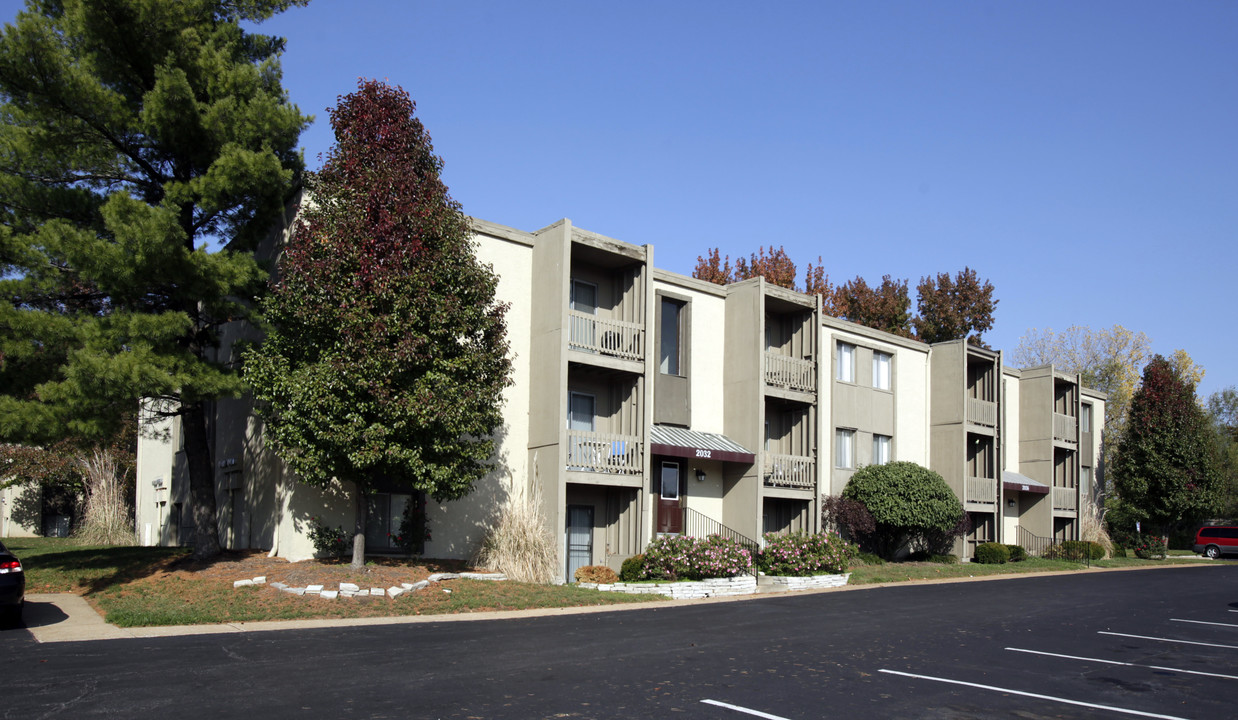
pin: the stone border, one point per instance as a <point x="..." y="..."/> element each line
<point x="352" y="590"/>
<point x="684" y="590"/>
<point x="810" y="582"/>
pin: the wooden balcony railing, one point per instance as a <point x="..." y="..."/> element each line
<point x="793" y="471"/>
<point x="1063" y="427"/>
<point x="617" y="338"/>
<point x="791" y="373"/>
<point x="604" y="452"/>
<point x="1064" y="499"/>
<point x="982" y="412"/>
<point x="982" y="490"/>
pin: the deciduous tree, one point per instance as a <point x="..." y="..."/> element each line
<point x="954" y="308"/>
<point x="135" y="134"/>
<point x="387" y="353"/>
<point x="1165" y="470"/>
<point x="886" y="307"/>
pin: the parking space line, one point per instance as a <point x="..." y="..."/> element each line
<point x="1202" y="622"/>
<point x="1115" y="662"/>
<point x="1172" y="640"/>
<point x="749" y="711"/>
<point x="1038" y="696"/>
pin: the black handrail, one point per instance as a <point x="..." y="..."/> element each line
<point x="697" y="525"/>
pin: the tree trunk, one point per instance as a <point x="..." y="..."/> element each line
<point x="201" y="482"/>
<point x="358" y="537"/>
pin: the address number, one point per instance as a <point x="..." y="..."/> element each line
<point x="704" y="453"/>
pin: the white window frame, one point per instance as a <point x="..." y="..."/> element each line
<point x="844" y="356"/>
<point x="882" y="381"/>
<point x="844" y="448"/>
<point x="883" y="449"/>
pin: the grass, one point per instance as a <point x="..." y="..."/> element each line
<point x="145" y="586"/>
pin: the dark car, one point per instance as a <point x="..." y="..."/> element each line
<point x="12" y="586"/>
<point x="1216" y="540"/>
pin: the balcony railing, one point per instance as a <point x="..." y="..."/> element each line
<point x="982" y="490"/>
<point x="793" y="471"/>
<point x="1064" y="499"/>
<point x="1063" y="427"/>
<point x="604" y="452"/>
<point x="616" y="338"/>
<point x="791" y="373"/>
<point x="982" y="412"/>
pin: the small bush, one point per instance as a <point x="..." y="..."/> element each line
<point x="1119" y="551"/>
<point x="328" y="542"/>
<point x="797" y="554"/>
<point x="944" y="559"/>
<point x="596" y="574"/>
<point x="1017" y="553"/>
<point x="1149" y="547"/>
<point x="679" y="557"/>
<point x="992" y="554"/>
<point x="630" y="570"/>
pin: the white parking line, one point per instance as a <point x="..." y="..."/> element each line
<point x="1038" y="696"/>
<point x="1172" y="640"/>
<point x="1115" y="662"/>
<point x="749" y="711"/>
<point x="1201" y="622"/>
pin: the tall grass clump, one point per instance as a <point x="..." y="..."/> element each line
<point x="107" y="520"/>
<point x="518" y="543"/>
<point x="1092" y="525"/>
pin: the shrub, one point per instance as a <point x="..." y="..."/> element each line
<point x="630" y="570"/>
<point x="680" y="557"/>
<point x="911" y="506"/>
<point x="945" y="559"/>
<point x="850" y="517"/>
<point x="1149" y="547"/>
<point x="797" y="554"/>
<point x="991" y="554"/>
<point x="328" y="542"/>
<point x="1077" y="550"/>
<point x="596" y="574"/>
<point x="867" y="558"/>
<point x="1017" y="553"/>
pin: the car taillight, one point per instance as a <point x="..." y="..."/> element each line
<point x="9" y="566"/>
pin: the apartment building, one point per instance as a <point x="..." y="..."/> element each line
<point x="647" y="402"/>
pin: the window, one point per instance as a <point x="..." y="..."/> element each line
<point x="670" y="341"/>
<point x="843" y="443"/>
<point x="584" y="297"/>
<point x="881" y="449"/>
<point x="845" y="370"/>
<point x="1085" y="479"/>
<point x="881" y="370"/>
<point x="580" y="412"/>
<point x="1085" y="418"/>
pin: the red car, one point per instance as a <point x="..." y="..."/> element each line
<point x="1216" y="540"/>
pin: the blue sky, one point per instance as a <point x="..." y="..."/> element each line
<point x="1081" y="156"/>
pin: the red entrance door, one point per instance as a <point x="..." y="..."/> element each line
<point x="670" y="513"/>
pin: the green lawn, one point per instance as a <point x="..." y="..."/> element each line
<point x="904" y="571"/>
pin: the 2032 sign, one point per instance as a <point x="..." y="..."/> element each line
<point x="704" y="453"/>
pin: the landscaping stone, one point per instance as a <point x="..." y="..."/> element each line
<point x="414" y="587"/>
<point x="260" y="580"/>
<point x="687" y="589"/>
<point x="278" y="585"/>
<point x="242" y="583"/>
<point x="436" y="577"/>
<point x="313" y="589"/>
<point x="812" y="582"/>
<point x="394" y="592"/>
<point x="483" y="576"/>
<point x="350" y="587"/>
<point x="294" y="591"/>
<point x="329" y="594"/>
<point x="377" y="591"/>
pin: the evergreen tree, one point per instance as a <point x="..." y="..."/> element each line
<point x="1166" y="469"/>
<point x="386" y="357"/>
<point x="135" y="133"/>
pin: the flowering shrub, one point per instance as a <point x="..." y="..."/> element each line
<point x="1149" y="547"/>
<point x="800" y="555"/>
<point x="680" y="557"/>
<point x="328" y="542"/>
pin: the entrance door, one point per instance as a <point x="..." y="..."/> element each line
<point x="579" y="539"/>
<point x="670" y="516"/>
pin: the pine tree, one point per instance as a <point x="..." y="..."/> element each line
<point x="135" y="134"/>
<point x="1166" y="469"/>
<point x="387" y="355"/>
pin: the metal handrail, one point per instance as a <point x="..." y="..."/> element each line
<point x="698" y="525"/>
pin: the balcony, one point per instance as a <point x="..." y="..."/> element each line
<point x="1064" y="499"/>
<point x="981" y="491"/>
<point x="604" y="452"/>
<point x="790" y="471"/>
<point x="1064" y="427"/>
<point x="602" y="336"/>
<point x="982" y="412"/>
<point x="790" y="373"/>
